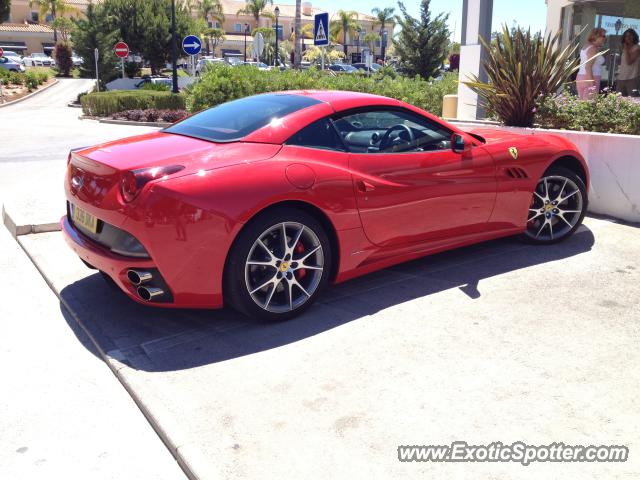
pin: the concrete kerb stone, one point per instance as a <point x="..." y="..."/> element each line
<point x="40" y="90"/>
<point x="17" y="229"/>
<point x="125" y="122"/>
<point x="120" y="371"/>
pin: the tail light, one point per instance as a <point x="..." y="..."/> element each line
<point x="134" y="181"/>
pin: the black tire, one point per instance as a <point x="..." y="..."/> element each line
<point x="239" y="275"/>
<point x="547" y="211"/>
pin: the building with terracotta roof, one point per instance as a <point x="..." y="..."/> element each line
<point x="26" y="32"/>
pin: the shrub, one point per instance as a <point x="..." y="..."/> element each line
<point x="521" y="67"/>
<point x="62" y="54"/>
<point x="151" y="115"/>
<point x="221" y="84"/>
<point x="108" y="103"/>
<point x="132" y="69"/>
<point x="31" y="79"/>
<point x="157" y="87"/>
<point x="609" y="113"/>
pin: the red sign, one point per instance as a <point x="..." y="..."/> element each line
<point x="121" y="49"/>
<point x="1" y="52"/>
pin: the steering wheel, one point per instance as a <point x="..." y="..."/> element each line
<point x="386" y="141"/>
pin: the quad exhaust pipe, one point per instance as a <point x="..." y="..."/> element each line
<point x="149" y="293"/>
<point x="138" y="277"/>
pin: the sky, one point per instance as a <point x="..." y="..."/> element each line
<point x="527" y="13"/>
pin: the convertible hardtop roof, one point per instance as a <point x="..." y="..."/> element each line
<point x="343" y="100"/>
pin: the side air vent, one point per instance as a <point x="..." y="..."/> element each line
<point x="515" y="172"/>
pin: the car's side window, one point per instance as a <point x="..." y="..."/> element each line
<point x="320" y="134"/>
<point x="391" y="131"/>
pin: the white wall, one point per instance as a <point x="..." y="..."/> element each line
<point x="614" y="165"/>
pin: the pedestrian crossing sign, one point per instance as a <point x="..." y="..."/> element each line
<point x="320" y="29"/>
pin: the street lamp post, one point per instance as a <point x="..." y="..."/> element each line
<point x="174" y="50"/>
<point x="276" y="11"/>
<point x="246" y="30"/>
<point x="358" y="32"/>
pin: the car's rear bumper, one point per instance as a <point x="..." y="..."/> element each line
<point x="116" y="266"/>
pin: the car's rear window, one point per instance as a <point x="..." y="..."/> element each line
<point x="237" y="119"/>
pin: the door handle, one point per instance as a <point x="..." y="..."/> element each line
<point x="364" y="186"/>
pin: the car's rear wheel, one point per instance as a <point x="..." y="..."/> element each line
<point x="558" y="205"/>
<point x="278" y="265"/>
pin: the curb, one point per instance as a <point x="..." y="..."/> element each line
<point x="17" y="230"/>
<point x="126" y="122"/>
<point x="13" y="102"/>
<point x="118" y="369"/>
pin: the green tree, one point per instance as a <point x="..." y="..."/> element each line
<point x="214" y="37"/>
<point x="256" y="8"/>
<point x="383" y="17"/>
<point x="423" y="42"/>
<point x="344" y="25"/>
<point x="211" y="10"/>
<point x="53" y="8"/>
<point x="5" y="9"/>
<point x="95" y="31"/>
<point x="64" y="26"/>
<point x="62" y="54"/>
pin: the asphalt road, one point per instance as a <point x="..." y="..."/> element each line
<point x="37" y="134"/>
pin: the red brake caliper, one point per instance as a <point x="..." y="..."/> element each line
<point x="301" y="272"/>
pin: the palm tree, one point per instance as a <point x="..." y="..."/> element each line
<point x="210" y="9"/>
<point x="256" y="9"/>
<point x="297" y="54"/>
<point x="344" y="25"/>
<point x="384" y="16"/>
<point x="306" y="31"/>
<point x="53" y="7"/>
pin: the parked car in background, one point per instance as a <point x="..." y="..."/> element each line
<point x="9" y="64"/>
<point x="77" y="61"/>
<point x="16" y="57"/>
<point x="205" y="62"/>
<point x="38" y="59"/>
<point x="342" y="68"/>
<point x="155" y="80"/>
<point x="258" y="65"/>
<point x="363" y="66"/>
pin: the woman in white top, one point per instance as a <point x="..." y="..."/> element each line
<point x="629" y="75"/>
<point x="590" y="73"/>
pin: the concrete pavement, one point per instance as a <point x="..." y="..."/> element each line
<point x="64" y="414"/>
<point x="38" y="133"/>
<point x="496" y="342"/>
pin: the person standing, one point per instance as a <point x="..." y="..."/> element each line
<point x="629" y="75"/>
<point x="590" y="73"/>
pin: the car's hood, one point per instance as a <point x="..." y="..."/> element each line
<point x="492" y="135"/>
<point x="159" y="149"/>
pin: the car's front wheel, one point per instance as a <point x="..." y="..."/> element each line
<point x="558" y="206"/>
<point x="278" y="265"/>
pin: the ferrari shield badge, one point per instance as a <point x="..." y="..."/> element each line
<point x="514" y="152"/>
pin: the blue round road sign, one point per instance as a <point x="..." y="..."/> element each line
<point x="191" y="45"/>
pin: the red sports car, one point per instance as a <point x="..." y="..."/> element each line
<point x="259" y="202"/>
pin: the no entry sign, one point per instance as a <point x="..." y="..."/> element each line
<point x="121" y="49"/>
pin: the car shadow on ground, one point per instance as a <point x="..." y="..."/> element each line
<point x="152" y="339"/>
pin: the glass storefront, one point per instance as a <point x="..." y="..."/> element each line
<point x="615" y="16"/>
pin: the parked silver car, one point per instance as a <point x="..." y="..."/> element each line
<point x="16" y="57"/>
<point x="38" y="59"/>
<point x="9" y="64"/>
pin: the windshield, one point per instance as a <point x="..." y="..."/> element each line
<point x="234" y="120"/>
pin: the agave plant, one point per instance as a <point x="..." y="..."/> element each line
<point x="522" y="69"/>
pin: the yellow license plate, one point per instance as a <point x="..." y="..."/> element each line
<point x="85" y="220"/>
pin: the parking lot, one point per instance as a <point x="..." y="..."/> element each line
<point x="496" y="342"/>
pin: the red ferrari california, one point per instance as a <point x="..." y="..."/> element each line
<point x="259" y="202"/>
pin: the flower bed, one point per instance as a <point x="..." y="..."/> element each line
<point x="151" y="115"/>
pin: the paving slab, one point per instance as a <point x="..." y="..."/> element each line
<point x="63" y="412"/>
<point x="495" y="342"/>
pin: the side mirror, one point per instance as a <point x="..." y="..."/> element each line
<point x="457" y="143"/>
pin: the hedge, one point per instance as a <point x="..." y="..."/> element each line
<point x="103" y="104"/>
<point x="608" y="113"/>
<point x="221" y="84"/>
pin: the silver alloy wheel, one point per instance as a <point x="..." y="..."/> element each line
<point x="556" y="208"/>
<point x="284" y="267"/>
